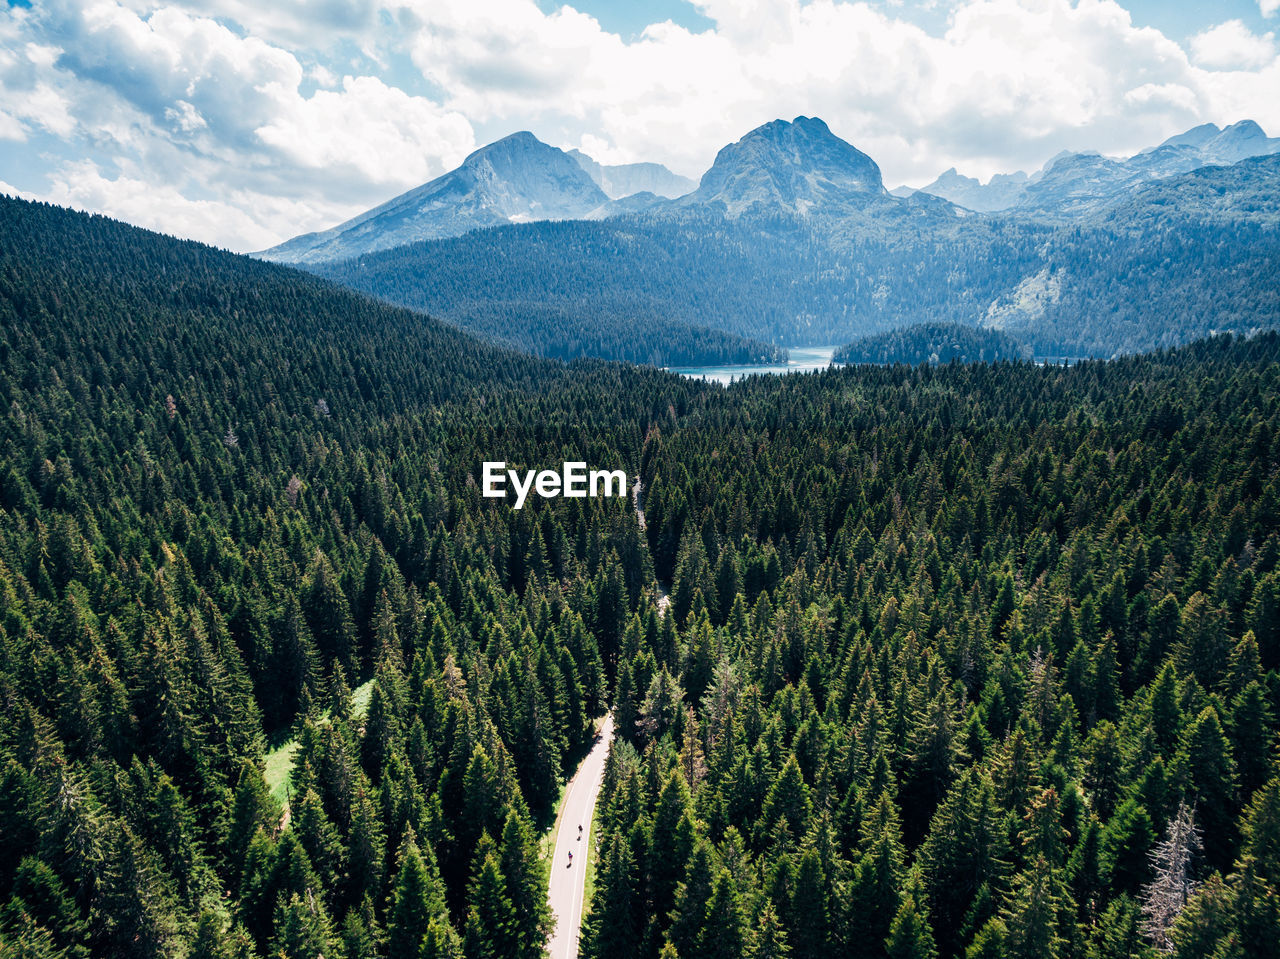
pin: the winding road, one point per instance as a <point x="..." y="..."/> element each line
<point x="566" y="891"/>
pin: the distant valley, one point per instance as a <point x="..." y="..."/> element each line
<point x="792" y="239"/>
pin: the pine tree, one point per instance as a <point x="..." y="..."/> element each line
<point x="723" y="935"/>
<point x="526" y="887"/>
<point x="328" y="615"/>
<point x="810" y="933"/>
<point x="964" y="853"/>
<point x="788" y="800"/>
<point x="417" y="901"/>
<point x="769" y="939"/>
<point x="1252" y="733"/>
<point x="321" y="840"/>
<point x="672" y="844"/>
<point x="875" y="893"/>
<point x="303" y="929"/>
<point x="362" y="934"/>
<point x="1207" y="774"/>
<point x="135" y="912"/>
<point x="1117" y="934"/>
<point x="254" y="809"/>
<point x="491" y="931"/>
<point x="909" y="934"/>
<point x="1031" y="920"/>
<point x="1126" y="845"/>
<point x="692" y="897"/>
<point x="366" y="850"/>
<point x="40" y="896"/>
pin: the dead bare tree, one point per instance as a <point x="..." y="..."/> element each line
<point x="1166" y="895"/>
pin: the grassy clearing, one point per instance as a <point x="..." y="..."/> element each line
<point x="279" y="766"/>
<point x="279" y="761"/>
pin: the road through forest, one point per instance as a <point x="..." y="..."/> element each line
<point x="566" y="890"/>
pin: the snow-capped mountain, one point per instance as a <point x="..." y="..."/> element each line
<point x="516" y="179"/>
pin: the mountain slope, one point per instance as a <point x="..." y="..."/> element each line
<point x="252" y="315"/>
<point x="628" y="179"/>
<point x="770" y="277"/>
<point x="792" y="240"/>
<point x="1181" y="258"/>
<point x="516" y="179"/>
<point x="229" y="493"/>
<point x="1024" y="572"/>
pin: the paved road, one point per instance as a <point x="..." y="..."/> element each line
<point x="566" y="889"/>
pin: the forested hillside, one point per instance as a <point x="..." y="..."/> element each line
<point x="959" y="659"/>
<point x="230" y="493"/>
<point x="933" y="343"/>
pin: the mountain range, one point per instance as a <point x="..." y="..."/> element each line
<point x="1076" y="183"/>
<point x="791" y="238"/>
<point x="517" y="179"/>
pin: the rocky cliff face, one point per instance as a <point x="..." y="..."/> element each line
<point x="794" y="167"/>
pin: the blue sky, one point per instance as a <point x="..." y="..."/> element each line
<point x="241" y="122"/>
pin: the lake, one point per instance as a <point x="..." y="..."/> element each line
<point x="803" y="359"/>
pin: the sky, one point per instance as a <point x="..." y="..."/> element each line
<point x="245" y="122"/>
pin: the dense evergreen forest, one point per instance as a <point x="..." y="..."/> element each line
<point x="959" y="660"/>
<point x="933" y="343"/>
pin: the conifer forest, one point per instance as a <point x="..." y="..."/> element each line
<point x="937" y="661"/>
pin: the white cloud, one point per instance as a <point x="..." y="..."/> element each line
<point x="292" y="23"/>
<point x="11" y="127"/>
<point x="155" y="206"/>
<point x="206" y="99"/>
<point x="1232" y="46"/>
<point x="242" y="221"/>
<point x="187" y="102"/>
<point x="378" y="132"/>
<point x="31" y="100"/>
<point x="1269" y="7"/>
<point x="1009" y="83"/>
<point x="193" y="75"/>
